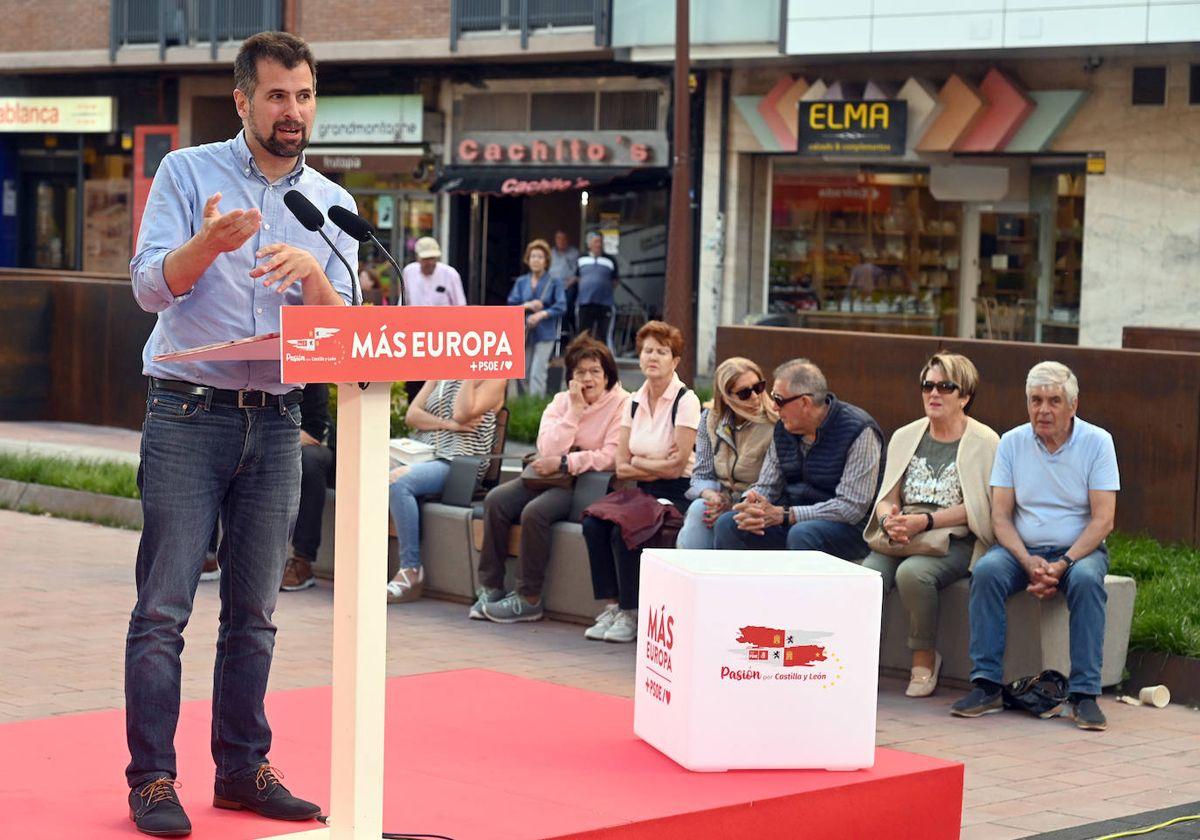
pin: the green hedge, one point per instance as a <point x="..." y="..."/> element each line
<point x="1166" y="615"/>
<point x="524" y="417"/>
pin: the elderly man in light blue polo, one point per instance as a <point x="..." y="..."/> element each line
<point x="1054" y="496"/>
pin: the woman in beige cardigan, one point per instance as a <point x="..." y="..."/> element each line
<point x="933" y="515"/>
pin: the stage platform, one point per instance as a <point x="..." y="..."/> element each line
<point x="477" y="755"/>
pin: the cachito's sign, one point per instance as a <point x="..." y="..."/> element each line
<point x="853" y="127"/>
<point x="399" y="343"/>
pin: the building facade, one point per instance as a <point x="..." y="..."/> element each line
<point x="1023" y="173"/>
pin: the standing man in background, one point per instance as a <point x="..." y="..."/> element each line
<point x="430" y="282"/>
<point x="318" y="463"/>
<point x="597" y="282"/>
<point x="564" y="266"/>
<point x="217" y="256"/>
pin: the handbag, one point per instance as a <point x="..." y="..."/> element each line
<point x="534" y="480"/>
<point x="1042" y="695"/>
<point x="935" y="543"/>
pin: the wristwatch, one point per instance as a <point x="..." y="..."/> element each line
<point x="789" y="516"/>
<point x="562" y="464"/>
<point x="1069" y="560"/>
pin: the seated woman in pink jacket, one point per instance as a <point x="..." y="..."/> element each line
<point x="579" y="432"/>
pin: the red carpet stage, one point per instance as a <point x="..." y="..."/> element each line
<point x="477" y="755"/>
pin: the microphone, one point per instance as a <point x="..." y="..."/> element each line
<point x="360" y="229"/>
<point x="313" y="219"/>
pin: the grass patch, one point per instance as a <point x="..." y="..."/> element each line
<point x="1166" y="615"/>
<point x="112" y="478"/>
<point x="524" y="417"/>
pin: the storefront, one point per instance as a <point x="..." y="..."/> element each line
<point x="908" y="207"/>
<point x="529" y="158"/>
<point x="378" y="148"/>
<point x="65" y="185"/>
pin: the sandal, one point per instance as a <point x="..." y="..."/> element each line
<point x="408" y="585"/>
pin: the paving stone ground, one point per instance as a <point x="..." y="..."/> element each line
<point x="67" y="588"/>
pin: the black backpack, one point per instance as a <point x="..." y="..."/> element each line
<point x="1043" y="694"/>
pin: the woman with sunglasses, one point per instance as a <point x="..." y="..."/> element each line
<point x="731" y="442"/>
<point x="933" y="515"/>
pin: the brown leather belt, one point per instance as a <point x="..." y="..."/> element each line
<point x="245" y="398"/>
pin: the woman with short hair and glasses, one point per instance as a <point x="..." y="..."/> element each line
<point x="731" y="442"/>
<point x="933" y="514"/>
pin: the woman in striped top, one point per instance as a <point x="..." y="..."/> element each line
<point x="456" y="417"/>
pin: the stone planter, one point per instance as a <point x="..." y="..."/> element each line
<point x="1181" y="674"/>
<point x="60" y="500"/>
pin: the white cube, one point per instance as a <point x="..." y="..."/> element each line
<point x="757" y="659"/>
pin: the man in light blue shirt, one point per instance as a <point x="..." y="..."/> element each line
<point x="217" y="256"/>
<point x="1054" y="497"/>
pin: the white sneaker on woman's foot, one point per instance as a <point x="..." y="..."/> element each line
<point x="624" y="627"/>
<point x="603" y="622"/>
<point x="407" y="585"/>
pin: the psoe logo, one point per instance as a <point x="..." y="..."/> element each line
<point x="789" y="651"/>
<point x="660" y="640"/>
<point x="314" y="338"/>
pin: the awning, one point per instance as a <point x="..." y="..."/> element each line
<point x="541" y="180"/>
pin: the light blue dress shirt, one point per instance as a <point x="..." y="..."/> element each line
<point x="1050" y="489"/>
<point x="227" y="303"/>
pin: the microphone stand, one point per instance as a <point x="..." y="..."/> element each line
<point x="402" y="298"/>
<point x="355" y="292"/>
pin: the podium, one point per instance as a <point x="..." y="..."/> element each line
<point x="374" y="345"/>
<point x="757" y="660"/>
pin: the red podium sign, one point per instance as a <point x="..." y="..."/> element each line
<point x="390" y="343"/>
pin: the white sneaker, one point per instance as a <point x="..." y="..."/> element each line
<point x="624" y="627"/>
<point x="603" y="622"/>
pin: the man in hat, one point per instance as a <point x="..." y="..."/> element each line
<point x="430" y="282"/>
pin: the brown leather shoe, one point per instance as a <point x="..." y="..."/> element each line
<point x="211" y="570"/>
<point x="297" y="575"/>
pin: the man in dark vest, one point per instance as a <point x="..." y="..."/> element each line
<point x="819" y="477"/>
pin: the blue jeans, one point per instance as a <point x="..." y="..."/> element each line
<point x="695" y="533"/>
<point x="421" y="480"/>
<point x="197" y="463"/>
<point x="997" y="576"/>
<point x="836" y="538"/>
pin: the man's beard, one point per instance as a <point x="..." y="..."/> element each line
<point x="276" y="145"/>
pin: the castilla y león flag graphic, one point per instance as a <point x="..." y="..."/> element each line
<point x="777" y="647"/>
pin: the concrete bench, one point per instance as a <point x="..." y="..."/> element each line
<point x="1038" y="635"/>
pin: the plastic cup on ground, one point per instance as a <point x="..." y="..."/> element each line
<point x="1157" y="696"/>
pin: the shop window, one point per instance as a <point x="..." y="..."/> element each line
<point x="562" y="112"/>
<point x="494" y="111"/>
<point x="867" y="251"/>
<point x="629" y="110"/>
<point x="1150" y="85"/>
<point x="1060" y="322"/>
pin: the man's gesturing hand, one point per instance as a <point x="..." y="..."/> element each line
<point x="285" y="265"/>
<point x="223" y="232"/>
